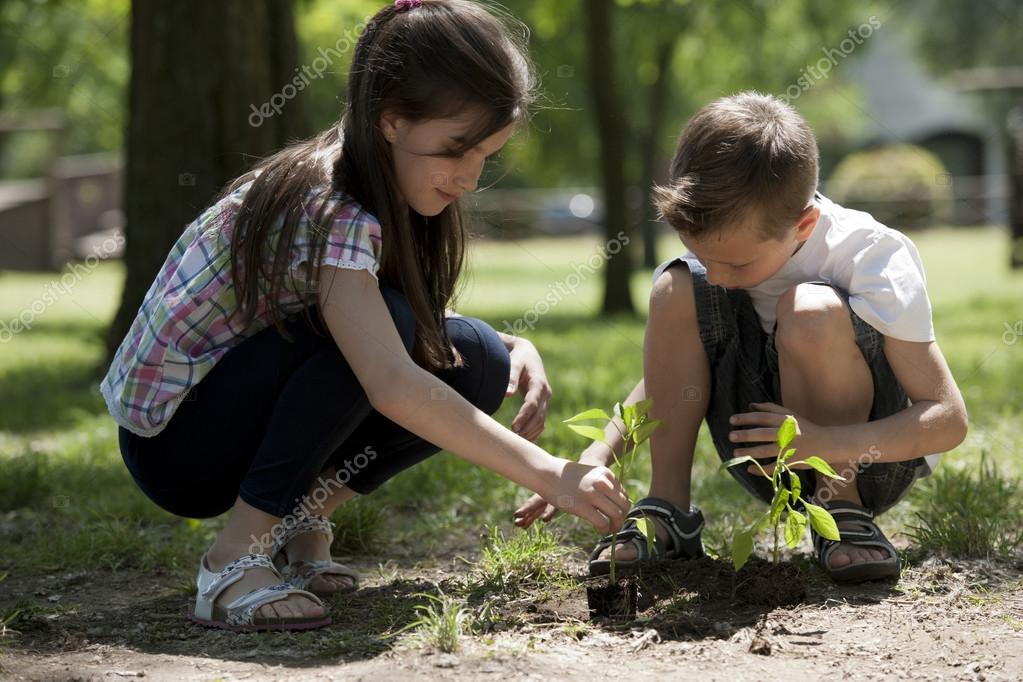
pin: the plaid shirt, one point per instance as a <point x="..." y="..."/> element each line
<point x="182" y="329"/>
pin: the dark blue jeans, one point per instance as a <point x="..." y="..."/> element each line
<point x="273" y="415"/>
<point x="744" y="369"/>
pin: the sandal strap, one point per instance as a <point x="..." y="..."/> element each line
<point x="626" y="535"/>
<point x="230" y="574"/>
<point x="682" y="527"/>
<point x="306" y="524"/>
<point x="867" y="533"/>
<point x="239" y="611"/>
<point x="311" y="569"/>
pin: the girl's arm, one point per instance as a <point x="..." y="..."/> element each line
<point x="596" y="454"/>
<point x="361" y="325"/>
<point x="935" y="422"/>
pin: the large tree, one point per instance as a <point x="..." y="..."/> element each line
<point x="199" y="70"/>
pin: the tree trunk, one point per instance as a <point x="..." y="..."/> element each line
<point x="658" y="99"/>
<point x="611" y="129"/>
<point x="201" y="71"/>
<point x="1015" y="135"/>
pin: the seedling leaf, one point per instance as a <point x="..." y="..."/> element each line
<point x="644" y="431"/>
<point x="823" y="522"/>
<point x="742" y="548"/>
<point x="737" y="460"/>
<point x="796" y="484"/>
<point x="786" y="432"/>
<point x="788" y="453"/>
<point x="823" y="467"/>
<point x="595" y="413"/>
<point x="778" y="506"/>
<point x="795" y="524"/>
<point x="646" y="527"/>
<point x="591" y="432"/>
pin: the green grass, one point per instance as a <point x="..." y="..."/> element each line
<point x="975" y="514"/>
<point x="74" y="505"/>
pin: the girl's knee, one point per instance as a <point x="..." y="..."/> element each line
<point x="487" y="362"/>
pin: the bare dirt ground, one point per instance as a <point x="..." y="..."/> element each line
<point x="943" y="620"/>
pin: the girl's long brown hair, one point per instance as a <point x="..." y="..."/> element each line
<point x="440" y="60"/>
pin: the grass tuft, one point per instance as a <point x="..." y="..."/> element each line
<point x="970" y="513"/>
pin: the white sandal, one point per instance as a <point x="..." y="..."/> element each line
<point x="238" y="615"/>
<point x="300" y="573"/>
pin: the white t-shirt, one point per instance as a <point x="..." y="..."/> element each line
<point x="877" y="266"/>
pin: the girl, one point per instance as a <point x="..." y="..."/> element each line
<point x="295" y="348"/>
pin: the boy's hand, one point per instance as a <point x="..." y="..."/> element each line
<point x="528" y="377"/>
<point x="810" y="439"/>
<point x="592" y="493"/>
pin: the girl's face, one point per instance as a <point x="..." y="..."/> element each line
<point x="431" y="169"/>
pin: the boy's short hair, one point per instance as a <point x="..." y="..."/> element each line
<point x="745" y="157"/>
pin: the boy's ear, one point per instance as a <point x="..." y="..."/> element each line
<point x="807" y="221"/>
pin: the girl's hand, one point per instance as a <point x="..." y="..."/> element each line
<point x="529" y="378"/>
<point x="535" y="508"/>
<point x="592" y="493"/>
<point x="810" y="439"/>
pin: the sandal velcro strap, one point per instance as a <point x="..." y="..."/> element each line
<point x="683" y="535"/>
<point x="233" y="572"/>
<point x="239" y="611"/>
<point x="300" y="573"/>
<point x="865" y="534"/>
<point x="306" y="524"/>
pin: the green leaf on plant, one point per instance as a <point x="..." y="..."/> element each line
<point x="778" y="506"/>
<point x="823" y="467"/>
<point x="643" y="407"/>
<point x="742" y="548"/>
<point x="795" y="524"/>
<point x="788" y="453"/>
<point x="617" y="410"/>
<point x="647" y="528"/>
<point x="591" y="432"/>
<point x="786" y="432"/>
<point x="796" y="485"/>
<point x="645" y="430"/>
<point x="823" y="522"/>
<point x="595" y="413"/>
<point x="737" y="460"/>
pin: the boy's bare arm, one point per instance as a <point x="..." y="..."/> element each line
<point x="935" y="422"/>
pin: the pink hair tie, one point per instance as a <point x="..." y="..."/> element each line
<point x="407" y="4"/>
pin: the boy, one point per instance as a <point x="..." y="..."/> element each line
<point x="785" y="304"/>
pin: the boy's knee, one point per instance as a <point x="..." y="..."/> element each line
<point x="810" y="318"/>
<point x="402" y="314"/>
<point x="487" y="362"/>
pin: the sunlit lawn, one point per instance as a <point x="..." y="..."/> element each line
<point x="63" y="474"/>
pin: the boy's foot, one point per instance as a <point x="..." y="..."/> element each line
<point x="294" y="606"/>
<point x="864" y="552"/>
<point x="677" y="536"/>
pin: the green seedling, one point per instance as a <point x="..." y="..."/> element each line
<point x="638" y="426"/>
<point x="785" y="497"/>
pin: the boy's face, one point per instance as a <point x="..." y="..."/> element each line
<point x="741" y="258"/>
